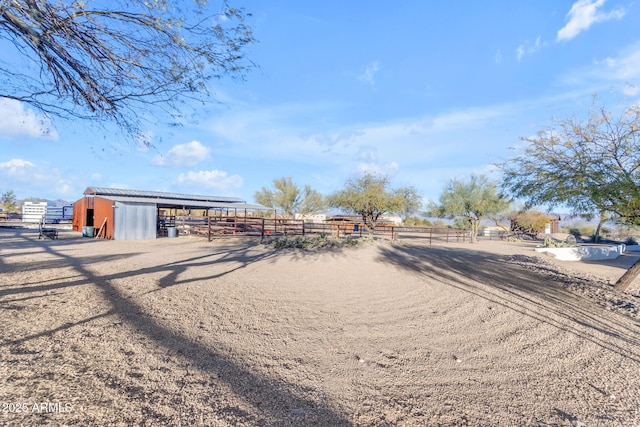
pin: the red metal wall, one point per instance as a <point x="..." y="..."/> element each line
<point x="102" y="209"/>
<point x="80" y="212"/>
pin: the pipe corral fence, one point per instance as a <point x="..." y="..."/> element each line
<point x="213" y="226"/>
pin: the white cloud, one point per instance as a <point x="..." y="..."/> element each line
<point x="188" y="155"/>
<point x="330" y="140"/>
<point x="259" y="134"/>
<point x="624" y="68"/>
<point x="368" y="76"/>
<point x="213" y="179"/>
<point x="119" y="186"/>
<point x="27" y="178"/>
<point x="367" y="153"/>
<point x="631" y="90"/>
<point x="583" y="14"/>
<point x="16" y="167"/>
<point x="386" y="169"/>
<point x="527" y="48"/>
<point x="467" y="119"/>
<point x="620" y="72"/>
<point x="16" y="122"/>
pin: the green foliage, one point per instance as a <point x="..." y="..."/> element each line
<point x="582" y="229"/>
<point x="8" y="202"/>
<point x="527" y="221"/>
<point x="591" y="166"/>
<point x="469" y="202"/>
<point x="575" y="232"/>
<point x="414" y="221"/>
<point x="462" y="223"/>
<point x="438" y="223"/>
<point x="550" y="242"/>
<point x="370" y="197"/>
<point x="288" y="196"/>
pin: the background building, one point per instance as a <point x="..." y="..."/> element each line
<point x="123" y="214"/>
<point x="33" y="211"/>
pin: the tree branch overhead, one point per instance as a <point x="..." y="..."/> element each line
<point x="113" y="61"/>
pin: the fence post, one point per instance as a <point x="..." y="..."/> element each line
<point x="209" y="227"/>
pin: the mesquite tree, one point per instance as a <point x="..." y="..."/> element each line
<point x="471" y="200"/>
<point x="592" y="166"/>
<point x="369" y="197"/>
<point x="288" y="196"/>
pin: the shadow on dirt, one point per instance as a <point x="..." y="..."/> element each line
<point x="273" y="401"/>
<point x="538" y="294"/>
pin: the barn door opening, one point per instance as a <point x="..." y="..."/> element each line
<point x="89" y="219"/>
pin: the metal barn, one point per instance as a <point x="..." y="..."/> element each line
<point x="122" y="214"/>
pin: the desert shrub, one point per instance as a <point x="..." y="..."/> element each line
<point x="411" y="221"/>
<point x="550" y="242"/>
<point x="415" y="221"/>
<point x="314" y="242"/>
<point x="631" y="241"/>
<point x="527" y="221"/>
<point x="575" y="232"/>
<point x="581" y="229"/>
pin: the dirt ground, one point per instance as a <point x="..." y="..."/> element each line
<point x="183" y="332"/>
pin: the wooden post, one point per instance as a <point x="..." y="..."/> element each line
<point x="625" y="281"/>
<point x="101" y="227"/>
<point x="209" y="227"/>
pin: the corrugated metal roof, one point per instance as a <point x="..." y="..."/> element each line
<point x="155" y="195"/>
<point x="188" y="204"/>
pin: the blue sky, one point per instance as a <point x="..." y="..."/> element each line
<point x="422" y="91"/>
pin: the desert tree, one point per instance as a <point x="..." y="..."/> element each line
<point x="8" y="201"/>
<point x="122" y="61"/>
<point x="525" y="220"/>
<point x="590" y="165"/>
<point x="370" y="197"/>
<point x="469" y="201"/>
<point x="286" y="195"/>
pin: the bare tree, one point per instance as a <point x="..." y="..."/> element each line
<point x="117" y="60"/>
